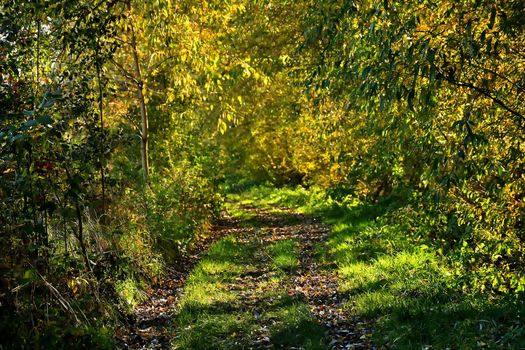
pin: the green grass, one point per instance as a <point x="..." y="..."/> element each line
<point x="284" y="255"/>
<point x="395" y="279"/>
<point x="297" y="328"/>
<point x="246" y="217"/>
<point x="270" y="198"/>
<point x="214" y="315"/>
<point x="205" y="316"/>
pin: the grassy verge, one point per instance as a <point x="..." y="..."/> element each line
<point x="398" y="280"/>
<point x="237" y="297"/>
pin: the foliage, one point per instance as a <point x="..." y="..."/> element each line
<point x="120" y="120"/>
<point x="180" y="205"/>
<point x="52" y="146"/>
<point x="70" y="238"/>
<point x="421" y="100"/>
<point x="433" y="91"/>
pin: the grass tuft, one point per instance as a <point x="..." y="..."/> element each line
<point x="284" y="255"/>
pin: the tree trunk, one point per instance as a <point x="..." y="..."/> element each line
<point x="142" y="104"/>
<point x="102" y="138"/>
<point x="143" y="133"/>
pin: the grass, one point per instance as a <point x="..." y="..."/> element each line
<point x="395" y="279"/>
<point x="297" y="328"/>
<point x="284" y="255"/>
<point x="246" y="217"/>
<point x="223" y="307"/>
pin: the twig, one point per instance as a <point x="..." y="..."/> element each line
<point x="63" y="302"/>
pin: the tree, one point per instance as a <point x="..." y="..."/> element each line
<point x="51" y="150"/>
<point x="438" y="87"/>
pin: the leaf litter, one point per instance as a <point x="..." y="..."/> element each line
<point x="151" y="326"/>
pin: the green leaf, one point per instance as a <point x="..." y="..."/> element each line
<point x="30" y="275"/>
<point x="44" y="120"/>
<point x="365" y="72"/>
<point x="492" y="18"/>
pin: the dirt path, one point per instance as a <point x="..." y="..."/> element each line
<point x="151" y="325"/>
<point x="309" y="283"/>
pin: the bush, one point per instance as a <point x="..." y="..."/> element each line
<point x="180" y="204"/>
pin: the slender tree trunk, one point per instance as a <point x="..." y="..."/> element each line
<point x="80" y="234"/>
<point x="144" y="133"/>
<point x="102" y="138"/>
<point x="142" y="104"/>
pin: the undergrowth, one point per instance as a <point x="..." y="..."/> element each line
<point x="393" y="275"/>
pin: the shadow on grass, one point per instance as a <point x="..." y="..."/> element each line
<point x="222" y="327"/>
<point x="220" y="311"/>
<point x="273" y="219"/>
<point x="303" y="333"/>
<point x="235" y="325"/>
<point x="412" y="295"/>
<point x="396" y="280"/>
<point x="464" y="323"/>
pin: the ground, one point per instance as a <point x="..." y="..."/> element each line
<point x="260" y="285"/>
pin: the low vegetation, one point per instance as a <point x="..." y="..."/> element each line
<point x="392" y="275"/>
<point x="238" y="296"/>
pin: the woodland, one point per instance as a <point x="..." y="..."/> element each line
<point x="262" y="174"/>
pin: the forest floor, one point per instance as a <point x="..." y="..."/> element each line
<point x="270" y="277"/>
<point x="257" y="283"/>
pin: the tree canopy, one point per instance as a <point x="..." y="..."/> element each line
<point x="124" y="123"/>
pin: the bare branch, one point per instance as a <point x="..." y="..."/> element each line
<point x="124" y="72"/>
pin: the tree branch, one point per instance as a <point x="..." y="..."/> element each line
<point x="124" y="71"/>
<point x="489" y="95"/>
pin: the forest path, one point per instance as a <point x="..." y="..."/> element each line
<point x="260" y="286"/>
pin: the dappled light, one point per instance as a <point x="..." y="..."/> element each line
<point x="262" y="174"/>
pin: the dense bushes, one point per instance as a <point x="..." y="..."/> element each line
<point x="441" y="112"/>
<point x="179" y="206"/>
<point x="80" y="234"/>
